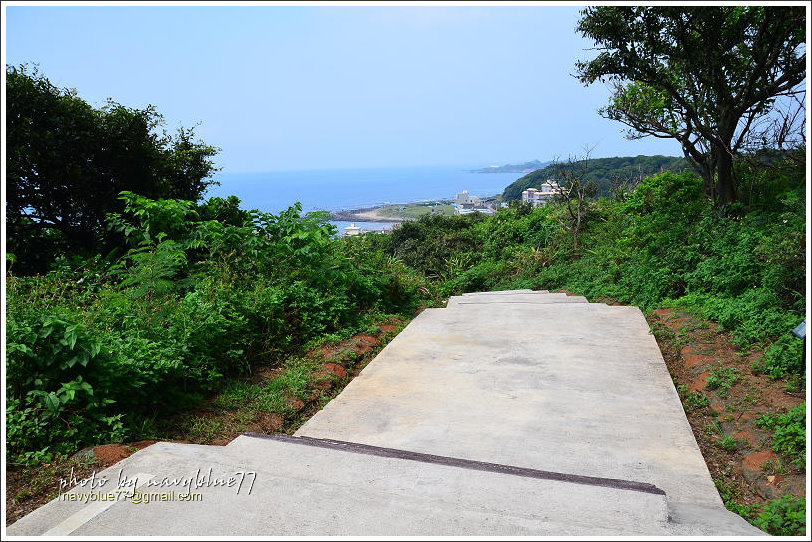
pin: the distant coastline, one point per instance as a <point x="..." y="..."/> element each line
<point x="526" y="167"/>
<point x="354" y="191"/>
<point x="368" y="214"/>
<point x="400" y="212"/>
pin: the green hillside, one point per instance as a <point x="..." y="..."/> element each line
<point x="602" y="171"/>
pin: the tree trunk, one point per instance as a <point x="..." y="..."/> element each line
<point x="725" y="184"/>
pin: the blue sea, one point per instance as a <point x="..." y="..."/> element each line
<point x="345" y="189"/>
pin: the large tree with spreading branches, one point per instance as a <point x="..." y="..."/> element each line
<point x="705" y="76"/>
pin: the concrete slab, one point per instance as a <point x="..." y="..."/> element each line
<point x="521" y="297"/>
<point x="295" y="489"/>
<point x="565" y="387"/>
<point x="506" y="292"/>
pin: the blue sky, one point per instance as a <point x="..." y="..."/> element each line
<point x="282" y="87"/>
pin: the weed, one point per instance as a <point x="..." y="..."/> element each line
<point x="710" y="429"/>
<point x="713" y="428"/>
<point x="695" y="401"/>
<point x="692" y="400"/>
<point x="784" y="516"/>
<point x="727" y="443"/>
<point x="242" y="417"/>
<point x="789" y="437"/>
<point x="728" y="493"/>
<point x="773" y="467"/>
<point x="236" y="394"/>
<point x="203" y="429"/>
<point x="722" y="379"/>
<point x="794" y="384"/>
<point x="783" y="358"/>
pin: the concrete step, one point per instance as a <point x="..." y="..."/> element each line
<point x="506" y="292"/>
<point x="298" y="489"/>
<point x="532" y="297"/>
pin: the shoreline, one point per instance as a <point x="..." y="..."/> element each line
<point x="374" y="213"/>
<point x="366" y="214"/>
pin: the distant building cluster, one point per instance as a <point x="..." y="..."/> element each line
<point x="352" y="229"/>
<point x="540" y="196"/>
<point x="465" y="203"/>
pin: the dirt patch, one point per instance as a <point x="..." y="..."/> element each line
<point x="369" y="339"/>
<point x="362" y="348"/>
<point x="752" y="463"/>
<point x="110" y="454"/>
<point x="723" y="415"/>
<point x="564" y="292"/>
<point x="699" y="382"/>
<point x="336" y="369"/>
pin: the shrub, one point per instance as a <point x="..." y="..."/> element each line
<point x="789" y="437"/>
<point x="97" y="348"/>
<point x="783" y="358"/>
<point x="784" y="516"/>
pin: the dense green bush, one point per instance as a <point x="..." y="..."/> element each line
<point x="438" y="246"/>
<point x="205" y="291"/>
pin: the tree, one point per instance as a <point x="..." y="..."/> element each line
<point x="574" y="191"/>
<point x="702" y="75"/>
<point x="67" y="162"/>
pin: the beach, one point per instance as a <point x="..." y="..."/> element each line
<point x="369" y="214"/>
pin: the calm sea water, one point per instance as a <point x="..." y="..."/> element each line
<point x="341" y="189"/>
<point x="344" y="189"/>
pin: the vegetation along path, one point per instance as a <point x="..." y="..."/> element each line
<point x="563" y="420"/>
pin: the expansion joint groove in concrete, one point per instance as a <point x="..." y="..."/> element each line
<point x="367" y="449"/>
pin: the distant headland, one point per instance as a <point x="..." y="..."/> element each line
<point x="526" y="167"/>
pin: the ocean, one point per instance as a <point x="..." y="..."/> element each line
<point x="345" y="189"/>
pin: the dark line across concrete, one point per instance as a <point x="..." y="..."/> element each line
<point x="463" y="463"/>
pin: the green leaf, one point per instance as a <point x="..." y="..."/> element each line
<point x="52" y="403"/>
<point x="87" y="387"/>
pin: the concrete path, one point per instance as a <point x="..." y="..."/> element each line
<point x="507" y="413"/>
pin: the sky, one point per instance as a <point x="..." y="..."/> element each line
<point x="327" y="87"/>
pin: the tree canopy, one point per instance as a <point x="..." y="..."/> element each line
<point x="67" y="162"/>
<point x="706" y="76"/>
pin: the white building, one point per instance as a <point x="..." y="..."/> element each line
<point x="352" y="229"/>
<point x="483" y="210"/>
<point x="540" y="196"/>
<point x="465" y="201"/>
